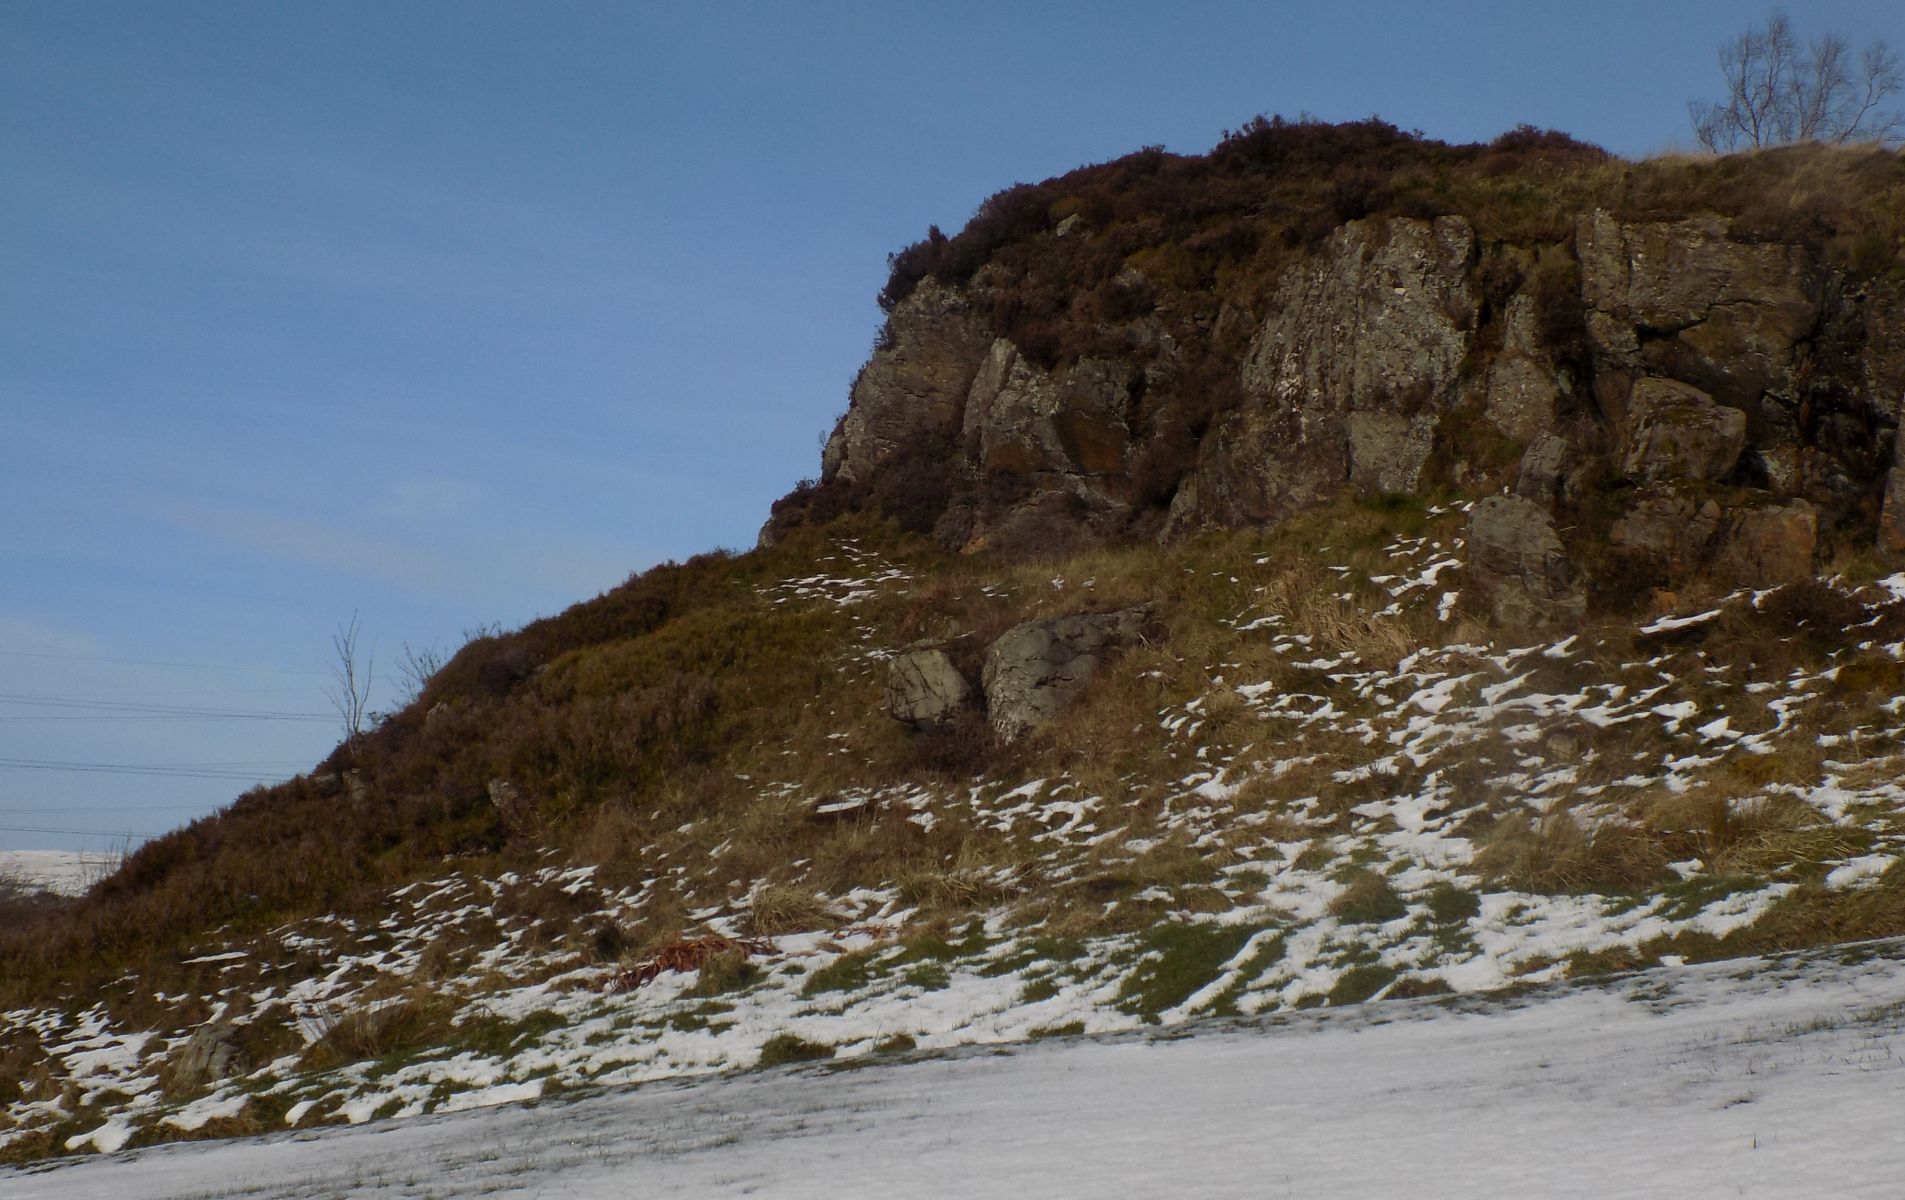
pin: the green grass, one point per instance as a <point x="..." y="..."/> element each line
<point x="848" y="973"/>
<point x="1449" y="904"/>
<point x="1359" y="983"/>
<point x="1176" y="960"/>
<point x="784" y="1048"/>
<point x="1368" y="899"/>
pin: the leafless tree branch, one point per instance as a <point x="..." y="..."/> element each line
<point x="1778" y="92"/>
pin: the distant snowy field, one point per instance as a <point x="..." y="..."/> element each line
<point x="66" y="872"/>
<point x="1770" y="1078"/>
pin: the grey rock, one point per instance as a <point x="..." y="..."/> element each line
<point x="1892" y="515"/>
<point x="1070" y="225"/>
<point x="1544" y="470"/>
<point x="1519" y="570"/>
<point x="1347" y="377"/>
<point x="1064" y="433"/>
<point x="924" y="688"/>
<point x="913" y="390"/>
<point x="1523" y="389"/>
<point x="1387" y="450"/>
<point x="1674" y="431"/>
<point x="1034" y="669"/>
<point x="208" y="1056"/>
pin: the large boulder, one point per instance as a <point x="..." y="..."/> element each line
<point x="1519" y="570"/>
<point x="1674" y="431"/>
<point x="1034" y="669"/>
<point x="925" y="689"/>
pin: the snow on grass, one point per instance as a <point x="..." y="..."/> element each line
<point x="1756" y="1078"/>
<point x="62" y="872"/>
<point x="1360" y="881"/>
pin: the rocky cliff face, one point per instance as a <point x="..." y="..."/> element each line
<point x="1682" y="396"/>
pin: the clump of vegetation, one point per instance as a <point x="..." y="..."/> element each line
<point x="785" y="1048"/>
<point x="1367" y="898"/>
<point x="1175" y="960"/>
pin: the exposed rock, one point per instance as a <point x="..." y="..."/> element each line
<point x="913" y="391"/>
<point x="1671" y="524"/>
<point x="1523" y="388"/>
<point x="1544" y="470"/>
<point x="1070" y="225"/>
<point x="207" y="1057"/>
<point x="1021" y="419"/>
<point x="1518" y="568"/>
<point x="1035" y="668"/>
<point x="1795" y="470"/>
<point x="924" y="688"/>
<point x="1674" y="431"/>
<point x="1362" y="352"/>
<point x="1365" y="365"/>
<point x="1768" y="545"/>
<point x="1892" y="516"/>
<point x="1680" y="299"/>
<point x="1386" y="450"/>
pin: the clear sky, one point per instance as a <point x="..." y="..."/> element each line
<point x="451" y="314"/>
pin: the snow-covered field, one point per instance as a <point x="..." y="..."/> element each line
<point x="1768" y="1077"/>
<point x="65" y="872"/>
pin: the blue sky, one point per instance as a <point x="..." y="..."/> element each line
<point x="448" y="314"/>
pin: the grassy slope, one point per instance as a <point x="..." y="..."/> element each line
<point x="679" y="731"/>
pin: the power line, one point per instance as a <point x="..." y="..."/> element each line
<point x="149" y="708"/>
<point x="168" y="717"/>
<point x="146" y="662"/>
<point x="124" y="833"/>
<point x="85" y="808"/>
<point x="159" y="770"/>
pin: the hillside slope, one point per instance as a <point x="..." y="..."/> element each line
<point x="1760" y="1079"/>
<point x="1340" y="566"/>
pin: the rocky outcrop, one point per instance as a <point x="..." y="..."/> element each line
<point x="925" y="689"/>
<point x="1525" y="389"/>
<point x="1892" y="513"/>
<point x="1674" y="431"/>
<point x="913" y="390"/>
<point x="1519" y="570"/>
<point x="1347" y="377"/>
<point x="1671" y="526"/>
<point x="1063" y="435"/>
<point x="1722" y="377"/>
<point x="1767" y="545"/>
<point x="1033" y="670"/>
<point x="211" y="1054"/>
<point x="1544" y="471"/>
<point x="1684" y="300"/>
<point x="1744" y="539"/>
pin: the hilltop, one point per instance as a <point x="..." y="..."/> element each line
<point x="1340" y="566"/>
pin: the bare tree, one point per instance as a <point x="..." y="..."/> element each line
<point x="350" y="679"/>
<point x="415" y="669"/>
<point x="1779" y="92"/>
